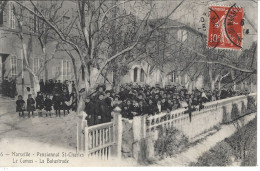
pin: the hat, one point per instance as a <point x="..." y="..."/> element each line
<point x="101" y="86"/>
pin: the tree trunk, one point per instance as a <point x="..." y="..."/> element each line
<point x="45" y="64"/>
<point x="233" y="79"/>
<point x="163" y="80"/>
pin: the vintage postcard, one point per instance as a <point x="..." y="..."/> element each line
<point x="128" y="83"/>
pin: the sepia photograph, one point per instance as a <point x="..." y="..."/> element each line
<point x="133" y="83"/>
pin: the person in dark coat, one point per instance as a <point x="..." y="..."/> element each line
<point x="51" y="86"/>
<point x="163" y="105"/>
<point x="48" y="105"/>
<point x="73" y="88"/>
<point x="169" y="105"/>
<point x="41" y="83"/>
<point x="126" y="110"/>
<point x="56" y="90"/>
<point x="56" y="100"/>
<point x="123" y="94"/>
<point x="142" y="110"/>
<point x="30" y="105"/>
<point x="134" y="109"/>
<point x="65" y="97"/>
<point x="100" y="90"/>
<point x="156" y="98"/>
<point x="59" y="85"/>
<point x="20" y="106"/>
<point x="46" y="87"/>
<point x="176" y="104"/>
<point x="109" y="100"/>
<point x="65" y="86"/>
<point x="74" y="103"/>
<point x="151" y="108"/>
<point x="12" y="88"/>
<point x="102" y="110"/>
<point x="90" y="111"/>
<point x="39" y="103"/>
<point x="190" y="108"/>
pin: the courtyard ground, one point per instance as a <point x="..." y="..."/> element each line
<point x="50" y="134"/>
<point x="58" y="131"/>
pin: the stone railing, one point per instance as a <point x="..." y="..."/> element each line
<point x="214" y="113"/>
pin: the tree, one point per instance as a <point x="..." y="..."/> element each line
<point x="220" y="64"/>
<point x="92" y="35"/>
<point x="27" y="24"/>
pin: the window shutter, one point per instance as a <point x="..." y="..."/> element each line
<point x="1" y="17"/>
<point x="6" y="15"/>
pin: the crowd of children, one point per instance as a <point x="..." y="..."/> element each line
<point x="133" y="100"/>
<point x="52" y="96"/>
<point x="137" y="100"/>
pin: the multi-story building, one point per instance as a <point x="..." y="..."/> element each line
<point x="54" y="64"/>
<point x="58" y="64"/>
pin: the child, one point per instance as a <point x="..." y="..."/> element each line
<point x="116" y="102"/>
<point x="56" y="103"/>
<point x="74" y="102"/>
<point x="151" y="109"/>
<point x="20" y="105"/>
<point x="65" y="98"/>
<point x="48" y="105"/>
<point x="90" y="111"/>
<point x="39" y="103"/>
<point x="30" y="105"/>
<point x="126" y="111"/>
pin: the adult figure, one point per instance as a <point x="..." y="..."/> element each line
<point x="41" y="83"/>
<point x="101" y="110"/>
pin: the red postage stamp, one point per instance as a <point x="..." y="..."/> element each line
<point x="225" y="27"/>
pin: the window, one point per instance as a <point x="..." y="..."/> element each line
<point x="1" y="16"/>
<point x="142" y="75"/>
<point x="36" y="24"/>
<point x="179" y="34"/>
<point x="64" y="22"/>
<point x="31" y="24"/>
<point x="11" y="15"/>
<point x="66" y="70"/>
<point x="13" y="62"/>
<point x="182" y="35"/>
<point x="83" y="73"/>
<point x="135" y="74"/>
<point x="170" y="78"/>
<point x="37" y="64"/>
<point x="1" y="67"/>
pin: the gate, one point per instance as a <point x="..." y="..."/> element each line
<point x="102" y="141"/>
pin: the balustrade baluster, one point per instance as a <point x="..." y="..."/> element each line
<point x="103" y="133"/>
<point x="100" y="143"/>
<point x="93" y="139"/>
<point x="96" y="138"/>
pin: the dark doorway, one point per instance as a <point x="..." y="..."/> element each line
<point x="142" y="75"/>
<point x="135" y="74"/>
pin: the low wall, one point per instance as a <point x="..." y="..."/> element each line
<point x="145" y="128"/>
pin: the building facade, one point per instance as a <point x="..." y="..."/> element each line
<point x="56" y="64"/>
<point x="53" y="64"/>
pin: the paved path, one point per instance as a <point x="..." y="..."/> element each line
<point x="193" y="153"/>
